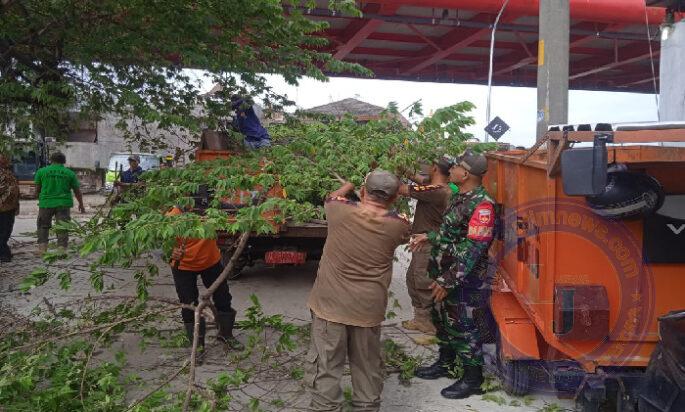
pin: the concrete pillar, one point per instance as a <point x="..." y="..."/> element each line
<point x="671" y="75"/>
<point x="553" y="58"/>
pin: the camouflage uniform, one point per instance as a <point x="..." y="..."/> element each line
<point x="459" y="264"/>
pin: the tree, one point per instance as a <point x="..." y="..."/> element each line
<point x="305" y="161"/>
<point x="126" y="57"/>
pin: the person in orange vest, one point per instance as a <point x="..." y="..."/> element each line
<point x="201" y="257"/>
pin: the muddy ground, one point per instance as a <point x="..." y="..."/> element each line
<point x="280" y="290"/>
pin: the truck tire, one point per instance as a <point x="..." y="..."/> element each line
<point x="514" y="374"/>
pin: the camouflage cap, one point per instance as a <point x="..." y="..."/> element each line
<point x="474" y="163"/>
<point x="382" y="184"/>
<point x="444" y="163"/>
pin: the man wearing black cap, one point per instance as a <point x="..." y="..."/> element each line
<point x="458" y="267"/>
<point x="432" y="200"/>
<point x="131" y="175"/>
<point x="350" y="294"/>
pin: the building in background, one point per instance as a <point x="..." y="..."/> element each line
<point x="360" y="111"/>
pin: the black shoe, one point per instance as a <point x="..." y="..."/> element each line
<point x="225" y="322"/>
<point x="467" y="386"/>
<point x="439" y="369"/>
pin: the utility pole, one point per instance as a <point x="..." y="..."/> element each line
<point x="553" y="59"/>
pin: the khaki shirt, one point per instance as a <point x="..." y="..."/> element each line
<point x="355" y="271"/>
<point x="432" y="201"/>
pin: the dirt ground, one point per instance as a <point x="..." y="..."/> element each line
<point x="280" y="290"/>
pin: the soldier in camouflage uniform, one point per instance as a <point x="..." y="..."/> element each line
<point x="458" y="267"/>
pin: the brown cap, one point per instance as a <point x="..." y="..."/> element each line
<point x="474" y="163"/>
<point x="382" y="184"/>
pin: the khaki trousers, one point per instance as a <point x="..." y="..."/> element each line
<point x="331" y="344"/>
<point x="44" y="223"/>
<point x="418" y="282"/>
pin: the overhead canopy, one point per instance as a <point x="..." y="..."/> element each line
<point x="449" y="41"/>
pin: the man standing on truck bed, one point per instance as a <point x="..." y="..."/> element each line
<point x="247" y="123"/>
<point x="458" y="267"/>
<point x="54" y="185"/>
<point x="432" y="200"/>
<point x="350" y="294"/>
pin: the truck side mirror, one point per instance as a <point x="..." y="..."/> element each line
<point x="584" y="170"/>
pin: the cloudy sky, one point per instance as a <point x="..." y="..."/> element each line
<point x="515" y="105"/>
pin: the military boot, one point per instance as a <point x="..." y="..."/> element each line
<point x="421" y="322"/>
<point x="467" y="386"/>
<point x="439" y="369"/>
<point x="225" y="322"/>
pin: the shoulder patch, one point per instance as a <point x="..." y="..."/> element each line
<point x="400" y="216"/>
<point x="482" y="223"/>
<point x="341" y="199"/>
<point x="426" y="188"/>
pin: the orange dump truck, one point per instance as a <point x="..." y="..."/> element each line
<point x="590" y="253"/>
<point x="292" y="244"/>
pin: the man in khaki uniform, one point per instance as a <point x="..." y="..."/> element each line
<point x="350" y="295"/>
<point x="432" y="200"/>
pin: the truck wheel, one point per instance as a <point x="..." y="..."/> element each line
<point x="515" y="374"/>
<point x="239" y="265"/>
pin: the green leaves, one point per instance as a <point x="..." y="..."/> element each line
<point x="124" y="58"/>
<point x="64" y="279"/>
<point x="36" y="278"/>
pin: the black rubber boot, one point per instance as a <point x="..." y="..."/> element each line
<point x="467" y="386"/>
<point x="439" y="369"/>
<point x="225" y="322"/>
<point x="190" y="329"/>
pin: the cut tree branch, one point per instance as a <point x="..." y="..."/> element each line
<point x="204" y="301"/>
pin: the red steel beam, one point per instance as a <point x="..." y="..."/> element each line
<point x="636" y="57"/>
<point x="415" y="39"/>
<point x="605" y="11"/>
<point x="585" y="39"/>
<point x="423" y="37"/>
<point x="359" y="34"/>
<point x="462" y="75"/>
<point x="472" y="36"/>
<point x="517" y="60"/>
<point x="411" y="55"/>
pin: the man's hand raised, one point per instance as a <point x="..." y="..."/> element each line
<point x="439" y="293"/>
<point x="417" y="242"/>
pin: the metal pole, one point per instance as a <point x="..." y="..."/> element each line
<point x="553" y="59"/>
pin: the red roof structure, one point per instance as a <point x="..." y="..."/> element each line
<point x="614" y="44"/>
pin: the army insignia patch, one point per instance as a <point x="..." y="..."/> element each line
<point x="484" y="216"/>
<point x="482" y="223"/>
<point x="424" y="188"/>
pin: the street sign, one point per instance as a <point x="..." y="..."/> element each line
<point x="497" y="128"/>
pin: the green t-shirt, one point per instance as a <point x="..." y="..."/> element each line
<point x="56" y="183"/>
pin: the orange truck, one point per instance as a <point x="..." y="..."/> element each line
<point x="292" y="244"/>
<point x="589" y="255"/>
